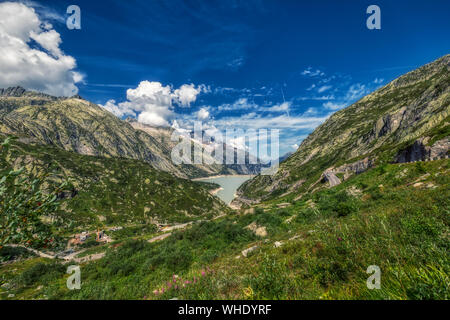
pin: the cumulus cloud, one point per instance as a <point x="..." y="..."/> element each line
<point x="153" y="103"/>
<point x="203" y="114"/>
<point x="30" y="54"/>
<point x="188" y="93"/>
<point x="119" y="111"/>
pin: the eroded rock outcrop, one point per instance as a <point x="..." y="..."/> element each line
<point x="420" y="151"/>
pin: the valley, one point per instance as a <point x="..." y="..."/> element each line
<point x="369" y="186"/>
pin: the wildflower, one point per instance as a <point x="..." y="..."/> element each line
<point x="248" y="292"/>
<point x="339" y="239"/>
<point x="156" y="292"/>
<point x="203" y="273"/>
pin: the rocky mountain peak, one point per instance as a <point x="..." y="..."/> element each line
<point x="12" y="91"/>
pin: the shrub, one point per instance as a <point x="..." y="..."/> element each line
<point x="13" y="253"/>
<point x="41" y="273"/>
<point x="271" y="281"/>
<point x="23" y="204"/>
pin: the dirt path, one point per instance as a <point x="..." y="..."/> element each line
<point x="160" y="237"/>
<point x="91" y="257"/>
<point x="176" y="226"/>
<point x="72" y="256"/>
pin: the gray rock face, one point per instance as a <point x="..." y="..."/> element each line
<point x="355" y="167"/>
<point x="389" y="123"/>
<point x="331" y="178"/>
<point x="12" y="92"/>
<point x="419" y="151"/>
<point x="348" y="170"/>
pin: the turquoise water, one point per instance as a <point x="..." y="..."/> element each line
<point x="229" y="185"/>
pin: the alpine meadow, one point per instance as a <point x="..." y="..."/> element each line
<point x="210" y="150"/>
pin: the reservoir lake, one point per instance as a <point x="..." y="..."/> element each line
<point x="228" y="183"/>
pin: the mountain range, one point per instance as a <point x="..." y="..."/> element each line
<point x="77" y="125"/>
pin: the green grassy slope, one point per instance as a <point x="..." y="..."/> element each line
<point x="395" y="216"/>
<point x="113" y="191"/>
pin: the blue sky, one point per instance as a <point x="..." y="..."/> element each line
<point x="254" y="63"/>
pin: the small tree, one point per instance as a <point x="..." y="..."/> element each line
<point x="22" y="207"/>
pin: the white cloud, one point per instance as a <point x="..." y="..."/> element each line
<point x="188" y="93"/>
<point x="256" y="121"/>
<point x="310" y="72"/>
<point x="203" y="114"/>
<point x="283" y="107"/>
<point x="236" y="63"/>
<point x="294" y="146"/>
<point x="119" y="111"/>
<point x="378" y="81"/>
<point x="245" y="104"/>
<point x="239" y="104"/>
<point x="46" y="13"/>
<point x="323" y="89"/>
<point x="333" y="106"/>
<point x="311" y="111"/>
<point x="329" y="97"/>
<point x="153" y="118"/>
<point x="353" y="93"/>
<point x="43" y="67"/>
<point x="356" y="91"/>
<point x="154" y="103"/>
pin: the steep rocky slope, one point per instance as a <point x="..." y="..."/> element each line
<point x="75" y="124"/>
<point x="406" y="120"/>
